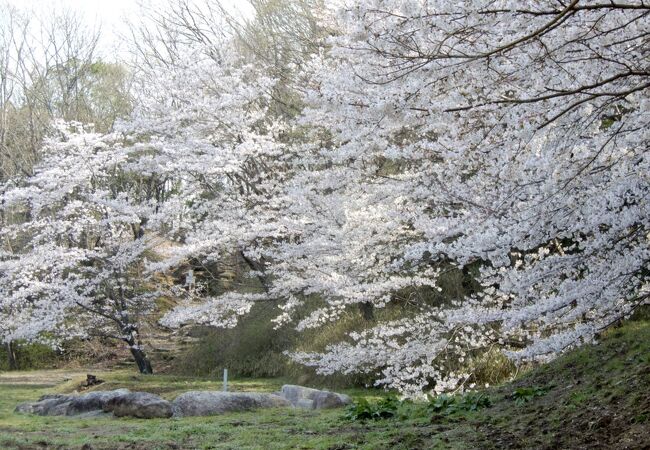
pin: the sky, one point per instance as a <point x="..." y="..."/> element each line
<point x="111" y="15"/>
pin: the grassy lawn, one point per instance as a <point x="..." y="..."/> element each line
<point x="276" y="428"/>
<point x="595" y="397"/>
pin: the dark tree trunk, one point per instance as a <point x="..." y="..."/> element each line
<point x="257" y="267"/>
<point x="11" y="356"/>
<point x="144" y="365"/>
<point x="367" y="310"/>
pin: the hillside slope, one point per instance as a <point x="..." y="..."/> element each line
<point x="594" y="397"/>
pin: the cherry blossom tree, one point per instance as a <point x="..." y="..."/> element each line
<point x="79" y="267"/>
<point x="492" y="135"/>
<point x="209" y="114"/>
<point x="501" y="140"/>
<point x="504" y="134"/>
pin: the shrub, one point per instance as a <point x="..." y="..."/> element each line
<point x="447" y="404"/>
<point x="30" y="356"/>
<point x="362" y="410"/>
<point x="525" y="394"/>
<point x="251" y="349"/>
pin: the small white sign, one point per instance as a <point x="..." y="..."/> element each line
<point x="189" y="279"/>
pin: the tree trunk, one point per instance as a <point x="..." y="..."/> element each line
<point x="367" y="310"/>
<point x="257" y="267"/>
<point x="144" y="365"/>
<point x="11" y="356"/>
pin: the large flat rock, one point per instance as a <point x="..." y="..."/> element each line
<point x="47" y="405"/>
<point x="310" y="398"/>
<point x="124" y="403"/>
<point x="139" y="404"/>
<point x="208" y="403"/>
<point x="69" y="405"/>
<point x="93" y="401"/>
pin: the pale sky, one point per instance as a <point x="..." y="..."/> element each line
<point x="111" y="14"/>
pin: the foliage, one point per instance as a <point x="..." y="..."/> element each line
<point x="362" y="409"/>
<point x="49" y="69"/>
<point x="80" y="270"/>
<point x="478" y="125"/>
<point x="490" y="368"/>
<point x="442" y="403"/>
<point x="30" y="356"/>
<point x="250" y="349"/>
<point x="525" y="394"/>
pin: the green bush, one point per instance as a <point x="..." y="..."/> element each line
<point x="30" y="356"/>
<point x="362" y="409"/>
<point x="525" y="394"/>
<point x="254" y="348"/>
<point x="251" y="349"/>
<point x="490" y="367"/>
<point x="442" y="404"/>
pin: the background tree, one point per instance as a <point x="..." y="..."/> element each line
<point x="80" y="269"/>
<point x="356" y="158"/>
<point x="221" y="134"/>
<point x="49" y="70"/>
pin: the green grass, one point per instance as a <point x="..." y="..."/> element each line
<point x="277" y="428"/>
<point x="595" y="397"/>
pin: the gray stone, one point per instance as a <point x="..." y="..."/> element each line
<point x="51" y="405"/>
<point x="309" y="398"/>
<point x="92" y="401"/>
<point x="69" y="405"/>
<point x="52" y="396"/>
<point x="208" y="403"/>
<point x="58" y="409"/>
<point x="346" y="399"/>
<point x="139" y="404"/>
<point x="93" y="414"/>
<point x="305" y="403"/>
<point x="326" y="400"/>
<point x="122" y="402"/>
<point x="25" y="408"/>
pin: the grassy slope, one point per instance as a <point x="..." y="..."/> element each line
<point x="598" y="397"/>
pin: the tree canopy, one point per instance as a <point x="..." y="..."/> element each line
<point x="354" y="156"/>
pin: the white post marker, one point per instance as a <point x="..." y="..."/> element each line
<point x="189" y="279"/>
<point x="225" y="380"/>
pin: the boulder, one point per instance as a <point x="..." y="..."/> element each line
<point x="24" y="408"/>
<point x="53" y="396"/>
<point x="139" y="404"/>
<point x="47" y="405"/>
<point x="304" y="403"/>
<point x="326" y="400"/>
<point x="309" y="398"/>
<point x="92" y="401"/>
<point x="93" y="414"/>
<point x="122" y="402"/>
<point x="208" y="403"/>
<point x="69" y="405"/>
